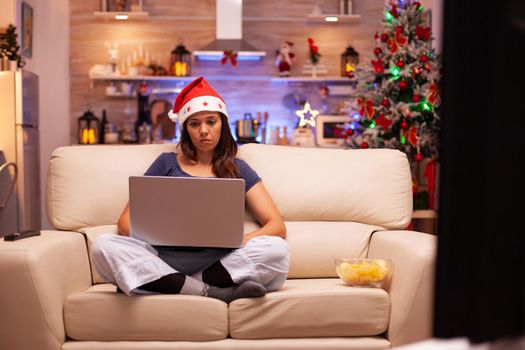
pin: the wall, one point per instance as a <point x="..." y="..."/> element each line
<point x="50" y="61"/>
<point x="266" y="24"/>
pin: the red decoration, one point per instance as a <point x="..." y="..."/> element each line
<point x="416" y="98"/>
<point x="423" y="33"/>
<point x="376" y="35"/>
<point x="423" y="58"/>
<point x="364" y="145"/>
<point x="378" y="66"/>
<point x="417" y="4"/>
<point x="367" y="108"/>
<point x="231" y="55"/>
<point x="418" y="157"/>
<point x="400" y="63"/>
<point x="403" y="84"/>
<point x="349" y="132"/>
<point x="385" y="102"/>
<point x="430" y="174"/>
<point x="399" y="39"/>
<point x="427" y="67"/>
<point x="378" y="51"/>
<point x="417" y="71"/>
<point x="393" y="12"/>
<point x="404" y="125"/>
<point x="412" y="136"/>
<point x="383" y="122"/>
<point x="384" y="37"/>
<point x="433" y="94"/>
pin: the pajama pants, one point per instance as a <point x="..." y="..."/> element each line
<point x="131" y="263"/>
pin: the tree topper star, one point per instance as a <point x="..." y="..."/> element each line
<point x="303" y="121"/>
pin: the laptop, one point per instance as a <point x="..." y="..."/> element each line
<point x="187" y="211"/>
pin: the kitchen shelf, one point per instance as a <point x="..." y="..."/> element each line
<point x="273" y="79"/>
<point x="131" y="14"/>
<point x="340" y="18"/>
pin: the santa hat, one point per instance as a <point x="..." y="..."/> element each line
<point x="197" y="96"/>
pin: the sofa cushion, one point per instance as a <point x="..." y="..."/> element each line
<point x="314" y="245"/>
<point x="372" y="186"/>
<point x="101" y="314"/>
<point x="311" y="308"/>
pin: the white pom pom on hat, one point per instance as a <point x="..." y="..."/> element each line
<point x="197" y="96"/>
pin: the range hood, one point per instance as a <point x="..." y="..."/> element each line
<point x="228" y="33"/>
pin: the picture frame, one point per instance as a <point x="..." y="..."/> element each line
<point x="27" y="30"/>
<point x="330" y="130"/>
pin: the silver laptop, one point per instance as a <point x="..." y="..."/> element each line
<point x="187" y="211"/>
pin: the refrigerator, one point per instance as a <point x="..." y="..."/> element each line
<point x="20" y="149"/>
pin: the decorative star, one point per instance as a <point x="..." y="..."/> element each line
<point x="205" y="103"/>
<point x="303" y="120"/>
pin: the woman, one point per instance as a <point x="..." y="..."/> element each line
<point x="207" y="149"/>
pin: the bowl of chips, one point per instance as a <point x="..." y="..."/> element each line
<point x="363" y="272"/>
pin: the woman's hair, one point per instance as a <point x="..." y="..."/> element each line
<point x="223" y="164"/>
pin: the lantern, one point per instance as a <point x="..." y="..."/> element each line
<point x="180" y="62"/>
<point x="88" y="128"/>
<point x="349" y="61"/>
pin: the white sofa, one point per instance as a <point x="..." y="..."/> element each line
<point x="336" y="203"/>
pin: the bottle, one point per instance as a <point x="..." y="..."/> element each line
<point x="102" y="127"/>
<point x="143" y="124"/>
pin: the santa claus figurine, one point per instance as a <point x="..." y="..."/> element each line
<point x="285" y="58"/>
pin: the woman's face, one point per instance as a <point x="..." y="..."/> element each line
<point x="204" y="129"/>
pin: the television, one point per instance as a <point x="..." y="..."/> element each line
<point x="331" y="130"/>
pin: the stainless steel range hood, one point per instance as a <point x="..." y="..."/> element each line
<point x="228" y="33"/>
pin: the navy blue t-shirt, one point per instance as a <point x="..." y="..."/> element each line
<point x="167" y="165"/>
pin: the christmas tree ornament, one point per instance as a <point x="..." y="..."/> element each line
<point x="403" y="84"/>
<point x="378" y="66"/>
<point x="383" y="122"/>
<point x="384" y="37"/>
<point x="394" y="12"/>
<point x="400" y="63"/>
<point x="418" y="157"/>
<point x="423" y="33"/>
<point x="412" y="136"/>
<point x="385" y="103"/>
<point x="404" y="125"/>
<point x="423" y="58"/>
<point x="350" y="132"/>
<point x="427" y="67"/>
<point x="366" y="108"/>
<point x="416" y="71"/>
<point x="416" y="98"/>
<point x="365" y="144"/>
<point x="378" y="51"/>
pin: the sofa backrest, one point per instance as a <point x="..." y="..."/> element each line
<point x="88" y="185"/>
<point x="372" y="186"/>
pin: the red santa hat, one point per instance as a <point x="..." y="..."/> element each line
<point x="197" y="96"/>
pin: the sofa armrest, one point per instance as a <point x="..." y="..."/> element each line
<point x="411" y="287"/>
<point x="36" y="275"/>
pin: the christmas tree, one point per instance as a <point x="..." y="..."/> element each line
<point x="399" y="106"/>
<point x="9" y="46"/>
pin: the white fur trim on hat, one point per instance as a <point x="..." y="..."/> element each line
<point x="173" y="116"/>
<point x="199" y="104"/>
